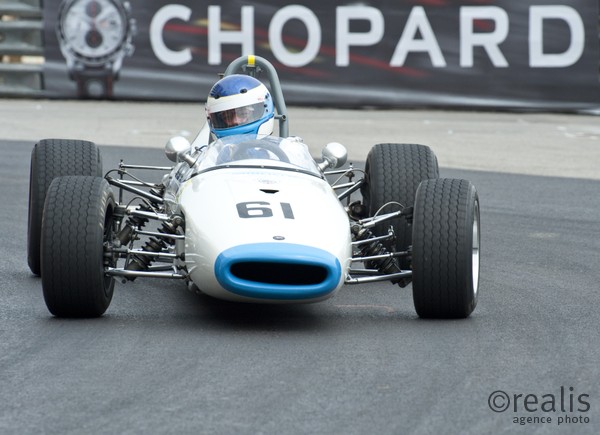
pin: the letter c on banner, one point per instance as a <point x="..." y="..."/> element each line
<point x="313" y="28"/>
<point x="162" y="52"/>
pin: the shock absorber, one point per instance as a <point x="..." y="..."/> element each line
<point x="386" y="265"/>
<point x="127" y="232"/>
<point x="154" y="244"/>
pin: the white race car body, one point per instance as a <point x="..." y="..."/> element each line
<point x="253" y="219"/>
<point x="263" y="230"/>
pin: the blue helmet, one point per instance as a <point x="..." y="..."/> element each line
<point x="239" y="104"/>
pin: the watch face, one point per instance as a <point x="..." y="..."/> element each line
<point x="93" y="29"/>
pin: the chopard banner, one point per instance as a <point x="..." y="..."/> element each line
<point x="526" y="54"/>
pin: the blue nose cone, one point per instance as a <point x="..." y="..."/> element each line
<point x="278" y="271"/>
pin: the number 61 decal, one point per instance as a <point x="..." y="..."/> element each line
<point x="262" y="209"/>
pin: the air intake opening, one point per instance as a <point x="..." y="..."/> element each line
<point x="279" y="273"/>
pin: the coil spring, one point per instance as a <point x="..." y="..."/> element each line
<point x="154" y="244"/>
<point x="126" y="234"/>
<point x="383" y="265"/>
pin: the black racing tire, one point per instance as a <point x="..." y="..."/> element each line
<point x="393" y="173"/>
<point x="53" y="158"/>
<point x="77" y="221"/>
<point x="446" y="246"/>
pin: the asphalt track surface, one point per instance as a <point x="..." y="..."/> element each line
<point x="165" y="360"/>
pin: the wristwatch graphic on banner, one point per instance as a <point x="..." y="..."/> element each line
<point x="94" y="37"/>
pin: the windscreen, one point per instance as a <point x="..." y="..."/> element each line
<point x="250" y="149"/>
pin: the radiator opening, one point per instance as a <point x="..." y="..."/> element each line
<point x="279" y="273"/>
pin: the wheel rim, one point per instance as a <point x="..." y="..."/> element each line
<point x="107" y="241"/>
<point x="475" y="250"/>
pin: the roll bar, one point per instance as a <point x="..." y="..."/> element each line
<point x="253" y="65"/>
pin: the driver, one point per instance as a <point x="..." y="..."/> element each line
<point x="239" y="104"/>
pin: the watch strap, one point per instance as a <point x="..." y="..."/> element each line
<point x="94" y="82"/>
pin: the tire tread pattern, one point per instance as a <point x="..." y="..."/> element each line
<point x="394" y="173"/>
<point x="73" y="223"/>
<point x="51" y="158"/>
<point x="442" y="249"/>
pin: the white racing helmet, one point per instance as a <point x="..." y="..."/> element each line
<point x="239" y="104"/>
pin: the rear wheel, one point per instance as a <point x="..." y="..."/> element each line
<point x="53" y="158"/>
<point x="393" y="173"/>
<point x="446" y="242"/>
<point x="77" y="222"/>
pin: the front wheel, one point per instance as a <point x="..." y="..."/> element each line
<point x="446" y="242"/>
<point x="77" y="222"/>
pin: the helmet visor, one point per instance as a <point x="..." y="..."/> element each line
<point x="238" y="116"/>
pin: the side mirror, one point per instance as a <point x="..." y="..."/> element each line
<point x="334" y="155"/>
<point x="177" y="149"/>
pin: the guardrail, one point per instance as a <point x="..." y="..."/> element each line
<point x="21" y="48"/>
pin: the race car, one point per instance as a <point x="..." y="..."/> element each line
<point x="252" y="219"/>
